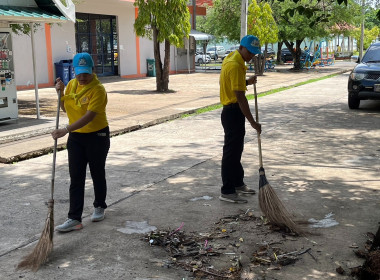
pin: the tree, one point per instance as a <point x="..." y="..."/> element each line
<point x="23" y="28"/>
<point x="345" y="19"/>
<point x="300" y="19"/>
<point x="295" y="26"/>
<point x="371" y="20"/>
<point x="261" y="24"/>
<point x="369" y="36"/>
<point x="222" y="20"/>
<point x="163" y="21"/>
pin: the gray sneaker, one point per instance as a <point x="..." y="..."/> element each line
<point x="233" y="198"/>
<point x="69" y="225"/>
<point x="245" y="190"/>
<point x="98" y="214"/>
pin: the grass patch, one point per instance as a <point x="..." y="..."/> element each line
<point x="252" y="96"/>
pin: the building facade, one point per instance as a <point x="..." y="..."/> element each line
<point x="105" y="30"/>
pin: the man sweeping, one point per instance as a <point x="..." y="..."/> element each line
<point x="233" y="85"/>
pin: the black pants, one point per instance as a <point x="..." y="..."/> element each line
<point x="233" y="122"/>
<point x="92" y="149"/>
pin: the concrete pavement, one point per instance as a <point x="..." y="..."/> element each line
<point x="133" y="104"/>
<point x="319" y="156"/>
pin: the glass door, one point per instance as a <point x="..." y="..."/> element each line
<point x="97" y="35"/>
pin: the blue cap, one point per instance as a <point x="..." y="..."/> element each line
<point x="83" y="63"/>
<point x="252" y="43"/>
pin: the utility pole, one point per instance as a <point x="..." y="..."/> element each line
<point x="243" y="18"/>
<point x="362" y="32"/>
<point x="194" y="14"/>
<point x="35" y="70"/>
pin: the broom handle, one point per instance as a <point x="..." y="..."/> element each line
<point x="55" y="146"/>
<point x="258" y="134"/>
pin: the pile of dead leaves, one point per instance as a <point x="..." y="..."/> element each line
<point x="190" y="252"/>
<point x="193" y="252"/>
<point x="277" y="258"/>
<point x="221" y="245"/>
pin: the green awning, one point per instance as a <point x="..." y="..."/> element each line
<point x="29" y="13"/>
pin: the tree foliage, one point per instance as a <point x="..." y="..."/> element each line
<point x="345" y="18"/>
<point x="310" y="10"/>
<point x="371" y="19"/>
<point x="294" y="25"/>
<point x="22" y="28"/>
<point x="261" y="23"/>
<point x="223" y="20"/>
<point x="369" y="36"/>
<point x="163" y="21"/>
<point x="300" y="19"/>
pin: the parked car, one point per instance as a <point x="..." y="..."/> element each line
<point x="363" y="82"/>
<point x="232" y="49"/>
<point x="216" y="52"/>
<point x="270" y="52"/>
<point x="286" y="55"/>
<point x="201" y="58"/>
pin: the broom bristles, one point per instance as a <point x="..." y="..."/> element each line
<point x="275" y="211"/>
<point x="39" y="255"/>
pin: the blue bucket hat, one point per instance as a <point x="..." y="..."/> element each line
<point x="251" y="43"/>
<point x="83" y="63"/>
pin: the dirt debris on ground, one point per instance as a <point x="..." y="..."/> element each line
<point x="370" y="270"/>
<point x="217" y="253"/>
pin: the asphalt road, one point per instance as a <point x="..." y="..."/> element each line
<point x="319" y="156"/>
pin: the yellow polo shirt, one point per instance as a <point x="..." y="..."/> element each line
<point x="94" y="100"/>
<point x="232" y="78"/>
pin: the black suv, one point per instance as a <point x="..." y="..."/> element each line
<point x="364" y="80"/>
<point x="286" y="56"/>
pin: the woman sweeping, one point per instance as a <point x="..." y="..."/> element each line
<point x="84" y="101"/>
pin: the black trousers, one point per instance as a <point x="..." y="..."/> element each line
<point x="233" y="122"/>
<point x="92" y="149"/>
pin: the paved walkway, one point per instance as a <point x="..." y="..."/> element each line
<point x="320" y="157"/>
<point x="134" y="104"/>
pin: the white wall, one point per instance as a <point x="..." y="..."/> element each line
<point x="23" y="60"/>
<point x="127" y="42"/>
<point x="63" y="44"/>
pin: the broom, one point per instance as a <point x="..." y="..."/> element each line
<point x="44" y="246"/>
<point x="269" y="202"/>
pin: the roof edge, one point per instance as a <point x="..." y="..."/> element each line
<point x="68" y="11"/>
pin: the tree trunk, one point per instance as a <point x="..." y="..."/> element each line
<point x="296" y="53"/>
<point x="260" y="61"/>
<point x="297" y="61"/>
<point x="165" y="76"/>
<point x="259" y="64"/>
<point x="162" y="70"/>
<point x="349" y="43"/>
<point x="279" y="47"/>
